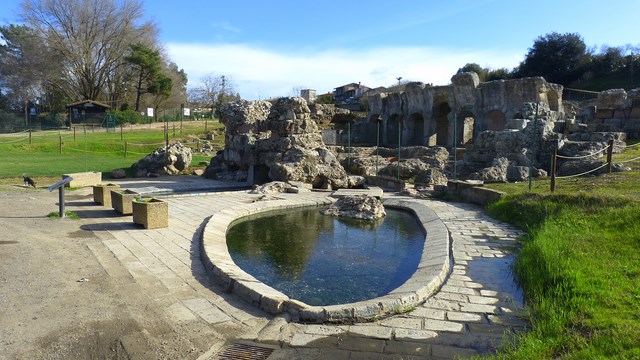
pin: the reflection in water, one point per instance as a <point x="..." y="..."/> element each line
<point x="323" y="260"/>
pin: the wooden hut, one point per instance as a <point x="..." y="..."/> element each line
<point x="87" y="112"/>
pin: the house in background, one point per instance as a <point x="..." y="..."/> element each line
<point x="309" y="95"/>
<point x="87" y="112"/>
<point x="349" y="93"/>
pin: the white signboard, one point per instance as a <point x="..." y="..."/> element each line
<point x="186" y="112"/>
<point x="150" y="112"/>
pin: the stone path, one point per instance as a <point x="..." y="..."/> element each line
<point x="471" y="314"/>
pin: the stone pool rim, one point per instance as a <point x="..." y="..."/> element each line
<point x="432" y="270"/>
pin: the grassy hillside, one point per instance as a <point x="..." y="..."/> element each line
<point x="579" y="265"/>
<point x="52" y="153"/>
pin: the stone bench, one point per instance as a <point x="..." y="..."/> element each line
<point x="83" y="179"/>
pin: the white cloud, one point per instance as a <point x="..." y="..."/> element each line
<point x="262" y="73"/>
<point x="223" y="25"/>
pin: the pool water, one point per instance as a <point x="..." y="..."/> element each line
<point x="323" y="260"/>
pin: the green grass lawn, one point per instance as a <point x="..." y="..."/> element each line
<point x="579" y="264"/>
<point x="51" y="153"/>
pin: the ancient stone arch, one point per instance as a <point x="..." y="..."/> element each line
<point x="488" y="106"/>
<point x="553" y="99"/>
<point x="415" y="129"/>
<point x="465" y="128"/>
<point x="441" y="115"/>
<point x="393" y="130"/>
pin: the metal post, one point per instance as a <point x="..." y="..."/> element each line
<point x="378" y="121"/>
<point x="455" y="143"/>
<point x="554" y="158"/>
<point x="85" y="147"/>
<point x="181" y="116"/>
<point x="399" y="139"/>
<point x="534" y="143"/>
<point x="610" y="156"/>
<point x="349" y="144"/>
<point x="61" y="200"/>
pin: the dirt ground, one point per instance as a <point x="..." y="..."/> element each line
<point x="58" y="302"/>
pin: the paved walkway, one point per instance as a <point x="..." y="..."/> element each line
<point x="471" y="314"/>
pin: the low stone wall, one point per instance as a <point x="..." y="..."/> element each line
<point x="83" y="179"/>
<point x="433" y="268"/>
<point x="473" y="192"/>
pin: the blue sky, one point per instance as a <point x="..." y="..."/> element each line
<point x="269" y="48"/>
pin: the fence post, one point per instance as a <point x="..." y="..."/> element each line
<point x="121" y="136"/>
<point x="74" y="133"/>
<point x="610" y="156"/>
<point x="60" y="137"/>
<point x="125" y="149"/>
<point x="554" y="158"/>
<point x="29" y="136"/>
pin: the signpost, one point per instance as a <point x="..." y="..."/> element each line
<point x="60" y="186"/>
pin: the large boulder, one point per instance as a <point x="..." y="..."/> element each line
<point x="497" y="172"/>
<point x="169" y="160"/>
<point x="406" y="169"/>
<point x="356" y="206"/>
<point x="432" y="176"/>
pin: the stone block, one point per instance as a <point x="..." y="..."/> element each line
<point x="102" y="193"/>
<point x="151" y="213"/>
<point x="83" y="179"/>
<point x="121" y="200"/>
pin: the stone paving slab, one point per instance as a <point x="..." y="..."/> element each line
<point x="471" y="311"/>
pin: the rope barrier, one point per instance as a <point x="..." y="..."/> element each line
<point x="584" y="173"/>
<point x="152" y="144"/>
<point x="93" y="152"/>
<point x="584" y="156"/>
<point x="137" y="153"/>
<point x="629" y="160"/>
<point x="634" y="145"/>
<point x="15" y="141"/>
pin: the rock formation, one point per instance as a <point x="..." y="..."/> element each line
<point x="170" y="160"/>
<point x="279" y="142"/>
<point x="426" y="165"/>
<point x="356" y="206"/>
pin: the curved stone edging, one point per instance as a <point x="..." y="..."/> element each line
<point x="432" y="270"/>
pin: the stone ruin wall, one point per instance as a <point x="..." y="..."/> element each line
<point x="274" y="142"/>
<point x="615" y="110"/>
<point x="426" y="113"/>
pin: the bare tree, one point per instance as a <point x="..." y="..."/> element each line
<point x="297" y="90"/>
<point x="91" y="38"/>
<point x="213" y="91"/>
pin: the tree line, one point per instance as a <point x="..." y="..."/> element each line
<point x="565" y="59"/>
<point x="67" y="51"/>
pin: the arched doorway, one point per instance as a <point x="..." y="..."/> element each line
<point x="440" y="114"/>
<point x="496" y="120"/>
<point x="394" y="130"/>
<point x="372" y="131"/>
<point x="416" y="129"/>
<point x="465" y="127"/>
<point x="553" y="99"/>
